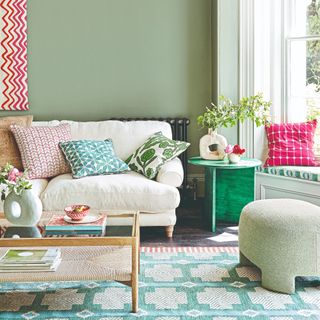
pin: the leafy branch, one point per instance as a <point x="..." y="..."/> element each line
<point x="226" y="114"/>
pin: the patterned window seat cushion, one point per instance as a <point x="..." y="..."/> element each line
<point x="305" y="173"/>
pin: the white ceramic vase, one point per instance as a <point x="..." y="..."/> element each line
<point x="234" y="158"/>
<point x="212" y="146"/>
<point x="24" y="209"/>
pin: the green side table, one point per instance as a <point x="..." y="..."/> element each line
<point x="229" y="187"/>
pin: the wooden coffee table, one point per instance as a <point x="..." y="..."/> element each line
<point x="112" y="256"/>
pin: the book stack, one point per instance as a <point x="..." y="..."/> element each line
<point x="33" y="260"/>
<point x="57" y="226"/>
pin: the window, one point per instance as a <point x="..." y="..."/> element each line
<point x="303" y="62"/>
<point x="281" y="41"/>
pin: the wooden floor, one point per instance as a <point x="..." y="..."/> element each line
<point x="190" y="230"/>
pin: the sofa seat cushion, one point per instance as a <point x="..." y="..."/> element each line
<point x="305" y="173"/>
<point x="129" y="191"/>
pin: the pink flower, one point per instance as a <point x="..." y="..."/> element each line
<point x="228" y="149"/>
<point x="13" y="174"/>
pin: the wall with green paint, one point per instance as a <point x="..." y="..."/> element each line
<point x="91" y="60"/>
<point x="227" y="68"/>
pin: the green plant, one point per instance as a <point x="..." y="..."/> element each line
<point x="313" y="46"/>
<point x="313" y="113"/>
<point x="12" y="180"/>
<point x="226" y="114"/>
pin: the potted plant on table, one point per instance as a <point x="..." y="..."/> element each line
<point x="227" y="114"/>
<point x="15" y="191"/>
<point x="234" y="153"/>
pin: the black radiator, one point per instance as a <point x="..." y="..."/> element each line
<point x="179" y="127"/>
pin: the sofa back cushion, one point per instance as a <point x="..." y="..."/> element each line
<point x="126" y="136"/>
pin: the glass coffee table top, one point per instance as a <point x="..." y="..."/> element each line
<point x="117" y="224"/>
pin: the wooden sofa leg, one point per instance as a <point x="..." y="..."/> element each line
<point x="169" y="231"/>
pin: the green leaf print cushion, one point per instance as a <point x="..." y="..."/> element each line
<point x="154" y="153"/>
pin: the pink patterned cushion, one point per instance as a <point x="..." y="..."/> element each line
<point x="40" y="152"/>
<point x="291" y="144"/>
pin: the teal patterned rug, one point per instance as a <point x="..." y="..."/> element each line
<point x="175" y="283"/>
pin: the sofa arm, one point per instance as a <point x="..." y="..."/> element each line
<point x="171" y="173"/>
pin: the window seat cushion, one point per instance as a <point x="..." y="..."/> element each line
<point x="305" y="173"/>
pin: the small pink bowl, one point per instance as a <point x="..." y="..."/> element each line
<point x="74" y="214"/>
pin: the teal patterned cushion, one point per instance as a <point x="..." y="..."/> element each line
<point x="154" y="153"/>
<point x="92" y="157"/>
<point x="305" y="173"/>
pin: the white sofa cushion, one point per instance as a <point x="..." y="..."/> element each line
<point x="129" y="191"/>
<point x="171" y="173"/>
<point x="38" y="186"/>
<point x="126" y="136"/>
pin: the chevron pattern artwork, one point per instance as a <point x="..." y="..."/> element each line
<point x="92" y="157"/>
<point x="13" y="55"/>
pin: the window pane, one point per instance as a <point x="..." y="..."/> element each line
<point x="305" y="18"/>
<point x="304" y="83"/>
<point x="304" y="79"/>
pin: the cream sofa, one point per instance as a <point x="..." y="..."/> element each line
<point x="156" y="200"/>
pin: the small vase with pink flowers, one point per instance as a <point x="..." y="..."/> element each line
<point x="234" y="153"/>
<point x="21" y="206"/>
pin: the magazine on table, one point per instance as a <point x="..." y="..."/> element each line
<point x="30" y="268"/>
<point x="30" y="256"/>
<point x="30" y="260"/>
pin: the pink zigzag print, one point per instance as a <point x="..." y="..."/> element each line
<point x="13" y="48"/>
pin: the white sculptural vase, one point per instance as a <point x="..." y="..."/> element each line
<point x="212" y="146"/>
<point x="24" y="209"/>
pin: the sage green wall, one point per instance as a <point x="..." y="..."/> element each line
<point x="225" y="72"/>
<point x="95" y="59"/>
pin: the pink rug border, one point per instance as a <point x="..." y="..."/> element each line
<point x="190" y="249"/>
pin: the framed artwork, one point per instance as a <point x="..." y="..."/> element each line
<point x="13" y="55"/>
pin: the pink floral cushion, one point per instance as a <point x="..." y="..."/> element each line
<point x="40" y="152"/>
<point x="291" y="144"/>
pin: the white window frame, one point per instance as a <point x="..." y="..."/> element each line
<point x="289" y="39"/>
<point x="253" y="139"/>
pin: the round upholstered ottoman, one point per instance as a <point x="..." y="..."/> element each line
<point x="282" y="238"/>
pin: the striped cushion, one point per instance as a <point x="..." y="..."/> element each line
<point x="305" y="173"/>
